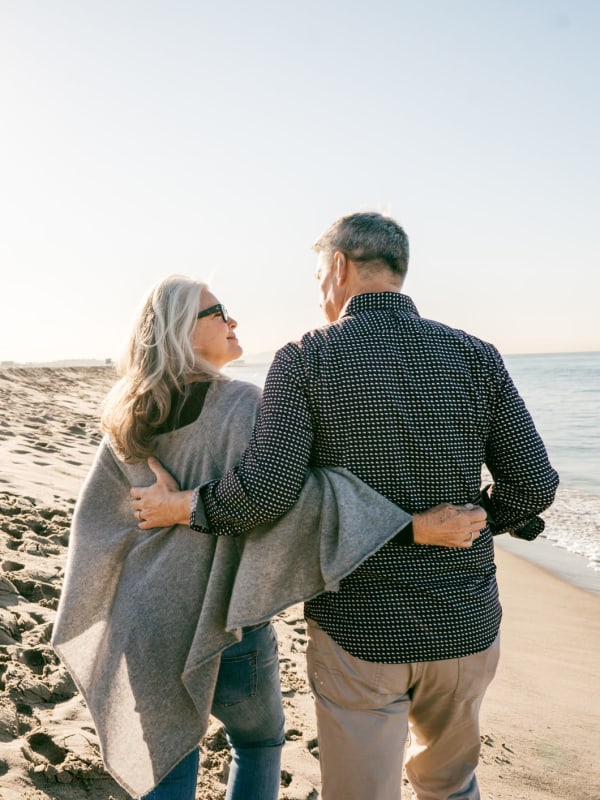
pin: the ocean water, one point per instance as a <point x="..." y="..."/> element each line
<point x="562" y="393"/>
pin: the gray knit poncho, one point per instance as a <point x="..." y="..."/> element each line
<point x="144" y="615"/>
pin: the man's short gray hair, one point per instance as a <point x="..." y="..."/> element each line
<point x="367" y="238"/>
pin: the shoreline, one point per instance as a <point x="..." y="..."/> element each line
<point x="571" y="568"/>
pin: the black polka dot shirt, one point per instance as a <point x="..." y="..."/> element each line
<point x="415" y="409"/>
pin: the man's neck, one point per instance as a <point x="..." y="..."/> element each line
<point x="380" y="287"/>
<point x="372" y="287"/>
<point x="368" y="289"/>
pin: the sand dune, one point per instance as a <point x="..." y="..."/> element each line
<point x="541" y="719"/>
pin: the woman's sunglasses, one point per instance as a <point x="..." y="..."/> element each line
<point x="218" y="309"/>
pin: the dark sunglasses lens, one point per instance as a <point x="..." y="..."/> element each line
<point x="218" y="309"/>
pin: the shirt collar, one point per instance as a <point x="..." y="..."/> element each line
<point x="379" y="301"/>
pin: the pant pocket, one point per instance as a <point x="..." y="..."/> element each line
<point x="340" y="677"/>
<point x="476" y="672"/>
<point x="237" y="680"/>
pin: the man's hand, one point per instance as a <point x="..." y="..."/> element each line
<point x="162" y="504"/>
<point x="449" y="526"/>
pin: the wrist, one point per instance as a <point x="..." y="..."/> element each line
<point x="418" y="529"/>
<point x="182" y="507"/>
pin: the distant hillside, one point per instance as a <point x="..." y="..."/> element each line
<point x="258" y="358"/>
<point x="67" y="362"/>
<point x="253" y="358"/>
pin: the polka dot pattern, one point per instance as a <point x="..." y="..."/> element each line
<point x="413" y="408"/>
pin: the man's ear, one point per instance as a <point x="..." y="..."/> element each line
<point x="340" y="267"/>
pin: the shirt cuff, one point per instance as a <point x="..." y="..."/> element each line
<point x="529" y="531"/>
<point x="405" y="536"/>
<point x="198" y="521"/>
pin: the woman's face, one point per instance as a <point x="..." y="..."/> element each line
<point x="212" y="338"/>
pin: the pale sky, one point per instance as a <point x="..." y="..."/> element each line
<point x="142" y="138"/>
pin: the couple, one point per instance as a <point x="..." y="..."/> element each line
<point x="319" y="491"/>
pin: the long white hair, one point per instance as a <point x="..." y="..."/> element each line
<point x="158" y="360"/>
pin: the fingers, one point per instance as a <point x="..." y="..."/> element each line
<point x="460" y="518"/>
<point x="138" y="492"/>
<point x="163" y="476"/>
<point x="476" y="522"/>
<point x="477" y="514"/>
<point x="146" y="498"/>
<point x="466" y="540"/>
<point x="138" y="513"/>
<point x="447" y="525"/>
<point x="146" y="518"/>
<point x="156" y="467"/>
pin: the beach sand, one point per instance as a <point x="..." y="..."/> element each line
<point x="540" y="719"/>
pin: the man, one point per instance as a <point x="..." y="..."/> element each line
<point x="413" y="408"/>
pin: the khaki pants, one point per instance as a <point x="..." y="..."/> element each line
<point x="365" y="711"/>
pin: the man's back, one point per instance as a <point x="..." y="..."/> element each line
<point x="414" y="409"/>
<point x="405" y="403"/>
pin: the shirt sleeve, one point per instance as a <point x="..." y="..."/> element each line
<point x="269" y="478"/>
<point x="524" y="481"/>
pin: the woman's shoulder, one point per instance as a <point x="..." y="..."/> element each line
<point x="236" y="392"/>
<point x="228" y="417"/>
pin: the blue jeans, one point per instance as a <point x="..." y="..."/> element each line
<point x="248" y="702"/>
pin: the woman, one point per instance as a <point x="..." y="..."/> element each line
<point x="161" y="628"/>
<point x="172" y="389"/>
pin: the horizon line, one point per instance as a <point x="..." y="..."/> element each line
<point x="266" y="355"/>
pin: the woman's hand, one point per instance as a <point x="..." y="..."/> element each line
<point x="162" y="504"/>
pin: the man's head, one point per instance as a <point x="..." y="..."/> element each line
<point x="363" y="252"/>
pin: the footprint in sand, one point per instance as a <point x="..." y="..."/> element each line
<point x="14" y="529"/>
<point x="46" y="447"/>
<point x="34" y="659"/>
<point x="44" y="746"/>
<point x="35" y="591"/>
<point x="286" y="778"/>
<point x="313" y="748"/>
<point x="12" y="566"/>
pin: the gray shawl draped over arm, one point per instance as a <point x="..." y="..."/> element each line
<point x="144" y="615"/>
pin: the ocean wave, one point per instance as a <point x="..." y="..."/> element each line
<point x="573" y="523"/>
